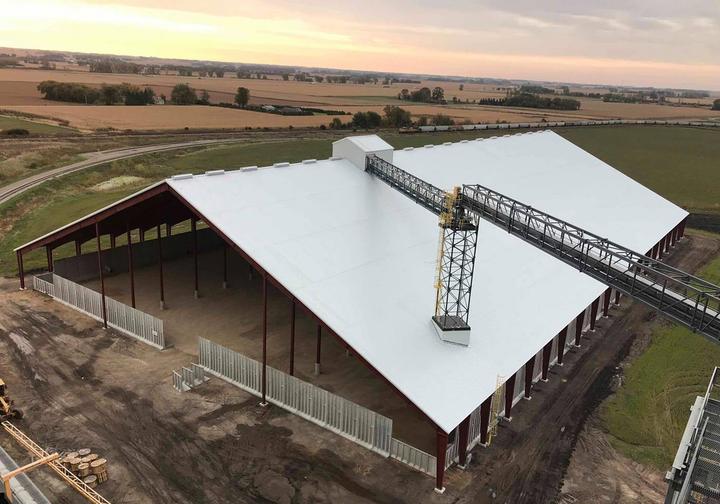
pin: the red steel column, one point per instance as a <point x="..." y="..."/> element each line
<point x="463" y="431"/>
<point x="485" y="420"/>
<point x="547" y="352"/>
<point x="682" y="227"/>
<point x="655" y="251"/>
<point x="292" y="339"/>
<point x="21" y="270"/>
<point x="112" y="241"/>
<point x="529" y="371"/>
<point x="102" y="276"/>
<point x="667" y="241"/>
<point x="579" y="322"/>
<point x="131" y="269"/>
<point x="160" y="264"/>
<point x="617" y="297"/>
<point x="78" y="248"/>
<point x="509" y="393"/>
<point x="193" y="225"/>
<point x="606" y="301"/>
<point x="673" y="236"/>
<point x="317" y="350"/>
<point x="442" y="442"/>
<point x="168" y="229"/>
<point x="562" y="339"/>
<point x="264" y="341"/>
<point x="661" y="247"/>
<point x="142" y="235"/>
<point x="593" y="313"/>
<point x="48" y="252"/>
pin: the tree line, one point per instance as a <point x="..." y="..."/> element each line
<point x="532" y="101"/>
<point x="423" y="95"/>
<point x="114" y="66"/>
<point x="393" y="117"/>
<point x="107" y="94"/>
<point x="184" y="94"/>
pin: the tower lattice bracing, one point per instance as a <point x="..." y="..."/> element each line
<point x="456" y="261"/>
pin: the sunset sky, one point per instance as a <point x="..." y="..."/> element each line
<point x="664" y="43"/>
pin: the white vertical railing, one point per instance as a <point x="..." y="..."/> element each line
<point x="413" y="457"/>
<point x="451" y="452"/>
<point x="350" y="420"/>
<point x="43" y="283"/>
<point x="122" y="317"/>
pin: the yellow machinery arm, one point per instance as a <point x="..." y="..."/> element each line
<point x="90" y="494"/>
<point x="29" y="467"/>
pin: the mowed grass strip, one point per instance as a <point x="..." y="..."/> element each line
<point x="8" y="122"/>
<point x="64" y="200"/>
<point x="645" y="419"/>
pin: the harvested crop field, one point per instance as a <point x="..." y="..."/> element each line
<point x="18" y="90"/>
<point x="598" y="108"/>
<point x="20" y="93"/>
<point x="271" y="88"/>
<point x="168" y="117"/>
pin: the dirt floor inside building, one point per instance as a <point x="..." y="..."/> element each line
<point x="232" y="317"/>
<point x="82" y="386"/>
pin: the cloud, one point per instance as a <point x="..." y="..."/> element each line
<point x="473" y="37"/>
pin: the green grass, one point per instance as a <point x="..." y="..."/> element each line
<point x="233" y="156"/>
<point x="646" y="417"/>
<point x="61" y="201"/>
<point x="7" y="122"/>
<point x="681" y="164"/>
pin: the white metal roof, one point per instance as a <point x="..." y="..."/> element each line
<point x="362" y="256"/>
<point x="552" y="174"/>
<point x="368" y="142"/>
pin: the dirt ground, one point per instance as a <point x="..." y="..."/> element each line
<point x="596" y="469"/>
<point x="83" y="386"/>
<point x="232" y="317"/>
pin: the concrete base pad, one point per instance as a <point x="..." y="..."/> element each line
<point x="467" y="462"/>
